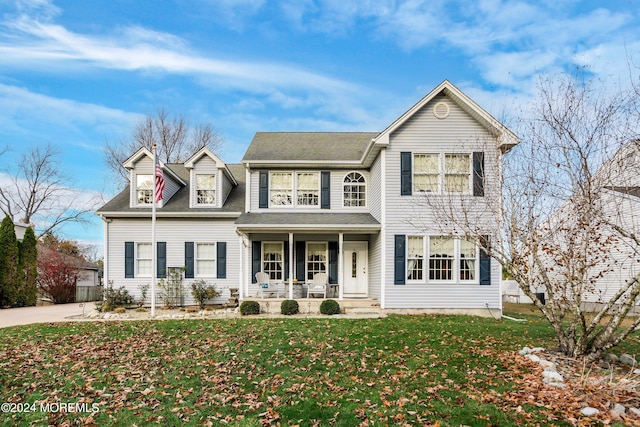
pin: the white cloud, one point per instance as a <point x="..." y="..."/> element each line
<point x="19" y="105"/>
<point x="34" y="43"/>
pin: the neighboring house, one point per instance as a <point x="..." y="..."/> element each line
<point x="613" y="260"/>
<point x="318" y="202"/>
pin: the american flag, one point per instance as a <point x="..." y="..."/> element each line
<point x="159" y="181"/>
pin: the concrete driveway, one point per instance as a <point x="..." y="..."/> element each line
<point x="44" y="314"/>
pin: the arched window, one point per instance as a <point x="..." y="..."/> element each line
<point x="354" y="187"/>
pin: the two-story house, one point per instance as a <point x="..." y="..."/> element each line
<point x="345" y="204"/>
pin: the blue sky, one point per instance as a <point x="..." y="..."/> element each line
<point x="78" y="73"/>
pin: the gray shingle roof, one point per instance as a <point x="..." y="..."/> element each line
<point x="308" y="146"/>
<point x="280" y="220"/>
<point x="179" y="203"/>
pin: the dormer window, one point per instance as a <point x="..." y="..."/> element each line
<point x="144" y="189"/>
<point x="205" y="189"/>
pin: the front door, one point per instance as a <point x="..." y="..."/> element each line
<point x="354" y="260"/>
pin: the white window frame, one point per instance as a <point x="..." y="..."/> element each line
<point x="285" y="191"/>
<point x="197" y="258"/>
<point x="468" y="173"/>
<point x="298" y="191"/>
<point x="456" y="263"/>
<point x="409" y="258"/>
<point x="139" y="190"/>
<point x="264" y="262"/>
<point x="138" y="259"/>
<point x="293" y="191"/>
<point x="307" y="270"/>
<point x="213" y="189"/>
<point x="442" y="173"/>
<point x="415" y="173"/>
<point x="362" y="184"/>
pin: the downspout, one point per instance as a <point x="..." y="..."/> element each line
<point x="383" y="234"/>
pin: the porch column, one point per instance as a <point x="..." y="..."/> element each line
<point x="290" y="265"/>
<point x="340" y="267"/>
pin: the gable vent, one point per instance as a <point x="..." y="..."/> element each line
<point x="441" y="110"/>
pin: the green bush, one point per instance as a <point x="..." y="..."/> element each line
<point x="329" y="306"/>
<point x="289" y="307"/>
<point x="202" y="291"/>
<point x="113" y="298"/>
<point x="249" y="307"/>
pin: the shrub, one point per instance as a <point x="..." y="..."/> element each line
<point x="249" y="307"/>
<point x="120" y="310"/>
<point x="144" y="289"/>
<point x="171" y="289"/>
<point x="113" y="298"/>
<point x="202" y="291"/>
<point x="289" y="307"/>
<point x="329" y="306"/>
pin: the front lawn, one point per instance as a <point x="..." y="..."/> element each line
<point x="401" y="370"/>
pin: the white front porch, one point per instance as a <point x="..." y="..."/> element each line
<point x="293" y="258"/>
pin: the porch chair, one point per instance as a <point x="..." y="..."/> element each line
<point x="318" y="286"/>
<point x="265" y="287"/>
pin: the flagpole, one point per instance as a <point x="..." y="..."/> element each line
<point x="154" y="261"/>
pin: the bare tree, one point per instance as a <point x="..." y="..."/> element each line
<point x="39" y="193"/>
<point x="570" y="219"/>
<point x="176" y="141"/>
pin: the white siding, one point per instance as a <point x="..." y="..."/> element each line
<point x="171" y="187"/>
<point x="375" y="263"/>
<point x="424" y="133"/>
<point x="374" y="189"/>
<point x="175" y="232"/>
<point x="225" y="187"/>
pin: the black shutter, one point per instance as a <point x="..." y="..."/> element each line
<point x="333" y="262"/>
<point x="188" y="260"/>
<point x="161" y="259"/>
<point x="256" y="259"/>
<point x="399" y="260"/>
<point x="300" y="260"/>
<point x="263" y="185"/>
<point x="129" y="263"/>
<point x="285" y="273"/>
<point x="221" y="260"/>
<point x="325" y="190"/>
<point x="485" y="262"/>
<point x="478" y="174"/>
<point x="405" y="174"/>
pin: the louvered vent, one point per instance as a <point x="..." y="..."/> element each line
<point x="441" y="110"/>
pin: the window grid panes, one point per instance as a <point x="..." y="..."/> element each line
<point x="441" y="257"/>
<point x="281" y="189"/>
<point x="308" y="190"/>
<point x="143" y="259"/>
<point x="272" y="260"/>
<point x="205" y="259"/>
<point x="316" y="259"/>
<point x="144" y="189"/>
<point x="206" y="189"/>
<point x="426" y="172"/>
<point x="354" y="190"/>
<point x="468" y="259"/>
<point x="415" y="258"/>
<point x="457" y="170"/>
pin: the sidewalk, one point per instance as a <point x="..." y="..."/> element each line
<point x="43" y="314"/>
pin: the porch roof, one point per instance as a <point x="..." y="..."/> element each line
<point x="307" y="221"/>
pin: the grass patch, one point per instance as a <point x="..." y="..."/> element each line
<point x="401" y="370"/>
